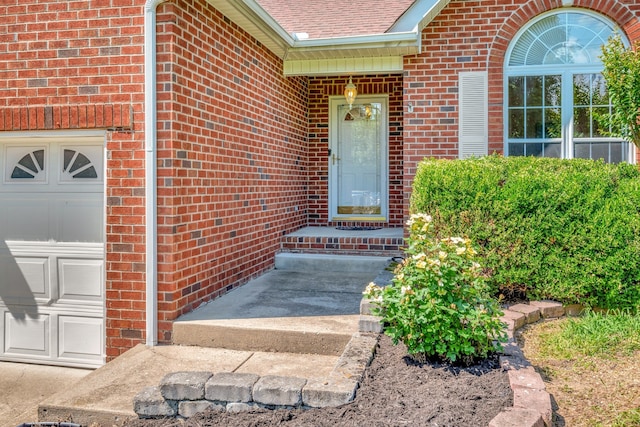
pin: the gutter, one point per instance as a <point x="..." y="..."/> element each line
<point x="150" y="136"/>
<point x="249" y="15"/>
<point x="369" y="41"/>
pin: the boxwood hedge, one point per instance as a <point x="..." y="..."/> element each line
<point x="567" y="230"/>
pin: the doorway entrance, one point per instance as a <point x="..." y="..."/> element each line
<point x="358" y="153"/>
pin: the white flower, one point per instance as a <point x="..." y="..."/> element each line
<point x="370" y="289"/>
<point x="435" y="263"/>
<point x="406" y="290"/>
<point x="419" y="217"/>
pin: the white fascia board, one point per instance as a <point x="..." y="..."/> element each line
<point x="378" y="53"/>
<point x="376" y="45"/>
<point x="418" y="15"/>
<point x="397" y="39"/>
<point x="343" y="66"/>
<point x="251" y="17"/>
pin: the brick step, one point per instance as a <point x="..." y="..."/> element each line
<point x="330" y="240"/>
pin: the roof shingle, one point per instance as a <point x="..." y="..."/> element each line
<point x="328" y="18"/>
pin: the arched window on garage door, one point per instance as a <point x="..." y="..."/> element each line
<point x="554" y="89"/>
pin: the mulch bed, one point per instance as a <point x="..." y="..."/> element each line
<point x="395" y="392"/>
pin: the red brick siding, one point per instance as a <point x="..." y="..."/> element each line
<point x="320" y="89"/>
<point x="232" y="133"/>
<point x="242" y="149"/>
<point x="233" y="157"/>
<point x="79" y="65"/>
<point x="118" y="117"/>
<point x="473" y="36"/>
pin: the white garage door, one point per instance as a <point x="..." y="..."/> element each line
<point x="52" y="250"/>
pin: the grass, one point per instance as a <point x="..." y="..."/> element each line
<point x="594" y="334"/>
<point x="590" y="365"/>
<point x="627" y="418"/>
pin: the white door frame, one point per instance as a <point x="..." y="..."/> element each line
<point x="334" y="120"/>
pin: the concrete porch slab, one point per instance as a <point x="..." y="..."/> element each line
<point x="382" y="232"/>
<point x="283" y="311"/>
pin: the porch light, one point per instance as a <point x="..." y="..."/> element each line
<point x="350" y="92"/>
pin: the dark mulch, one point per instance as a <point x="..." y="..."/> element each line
<point x="395" y="392"/>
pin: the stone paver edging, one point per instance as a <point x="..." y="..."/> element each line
<point x="531" y="401"/>
<point x="183" y="394"/>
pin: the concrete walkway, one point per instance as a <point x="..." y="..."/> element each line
<point x="23" y="387"/>
<point x="282" y="311"/>
<point x="285" y="323"/>
<point x="105" y="396"/>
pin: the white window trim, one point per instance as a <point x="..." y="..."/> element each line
<point x="567" y="72"/>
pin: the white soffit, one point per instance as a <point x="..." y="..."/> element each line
<point x="341" y="66"/>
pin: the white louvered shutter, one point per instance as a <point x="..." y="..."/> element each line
<point x="473" y="121"/>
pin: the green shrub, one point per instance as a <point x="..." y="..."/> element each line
<point x="438" y="302"/>
<point x="567" y="230"/>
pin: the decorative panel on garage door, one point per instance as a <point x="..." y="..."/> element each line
<point x="29" y="277"/>
<point x="52" y="251"/>
<point x="80" y="280"/>
<point x="81" y="338"/>
<point x="26" y="333"/>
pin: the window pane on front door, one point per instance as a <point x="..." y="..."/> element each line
<point x="359" y="163"/>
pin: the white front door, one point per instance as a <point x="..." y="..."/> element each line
<point x="358" y="159"/>
<point x="52" y="250"/>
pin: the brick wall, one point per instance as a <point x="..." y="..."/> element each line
<point x="232" y="154"/>
<point x="242" y="149"/>
<point x="320" y="89"/>
<point x="473" y="36"/>
<point x="233" y="157"/>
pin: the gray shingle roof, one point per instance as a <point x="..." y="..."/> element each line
<point x="335" y="18"/>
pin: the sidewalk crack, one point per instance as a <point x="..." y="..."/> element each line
<point x="243" y="362"/>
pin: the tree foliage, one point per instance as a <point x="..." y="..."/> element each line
<point x="622" y="74"/>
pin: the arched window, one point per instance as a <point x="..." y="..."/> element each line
<point x="554" y="89"/>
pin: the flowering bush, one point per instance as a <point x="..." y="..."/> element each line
<point x="438" y="302"/>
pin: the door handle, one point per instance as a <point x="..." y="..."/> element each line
<point x="334" y="159"/>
